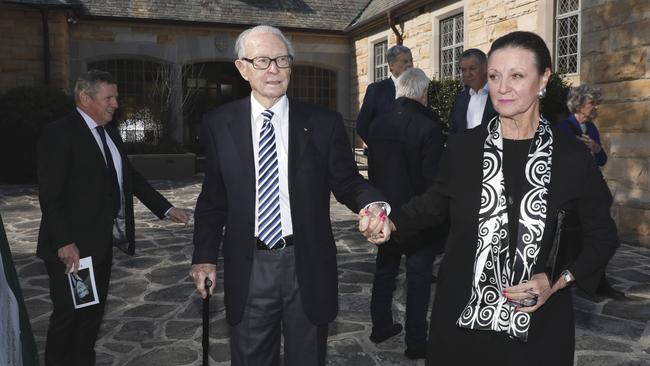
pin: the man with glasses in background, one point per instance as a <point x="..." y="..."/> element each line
<point x="271" y="164"/>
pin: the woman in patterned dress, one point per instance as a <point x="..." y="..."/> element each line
<point x="499" y="298"/>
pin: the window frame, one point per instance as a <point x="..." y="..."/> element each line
<point x="559" y="18"/>
<point x="384" y="65"/>
<point x="456" y="46"/>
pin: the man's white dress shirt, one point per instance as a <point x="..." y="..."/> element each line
<point x="476" y="106"/>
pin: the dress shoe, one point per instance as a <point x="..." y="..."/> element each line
<point x="380" y="336"/>
<point x="416" y="352"/>
<point x="606" y="290"/>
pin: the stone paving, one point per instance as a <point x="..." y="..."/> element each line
<point x="154" y="315"/>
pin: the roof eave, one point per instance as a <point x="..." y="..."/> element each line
<point x="42" y="6"/>
<point x="205" y="24"/>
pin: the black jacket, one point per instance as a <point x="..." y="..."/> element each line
<point x="320" y="163"/>
<point x="458" y="114"/>
<point x="75" y="192"/>
<point x="456" y="193"/>
<point x="378" y="100"/>
<point x="404" y="148"/>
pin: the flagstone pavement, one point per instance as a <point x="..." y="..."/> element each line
<point x="153" y="315"/>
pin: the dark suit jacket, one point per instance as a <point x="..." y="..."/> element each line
<point x="378" y="99"/>
<point x="458" y="115"/>
<point x="320" y="162"/>
<point x="75" y="191"/>
<point x="404" y="148"/>
<point x="456" y="193"/>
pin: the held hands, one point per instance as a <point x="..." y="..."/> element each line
<point x="178" y="215"/>
<point x="375" y="225"/>
<point x="199" y="272"/>
<point x="69" y="255"/>
<point x="538" y="288"/>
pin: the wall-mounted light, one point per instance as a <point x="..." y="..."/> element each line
<point x="72" y="19"/>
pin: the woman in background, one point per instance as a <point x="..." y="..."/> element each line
<point x="582" y="102"/>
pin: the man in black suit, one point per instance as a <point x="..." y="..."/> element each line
<point x="380" y="95"/>
<point x="271" y="164"/>
<point x="472" y="106"/>
<point x="404" y="147"/>
<point x="86" y="187"/>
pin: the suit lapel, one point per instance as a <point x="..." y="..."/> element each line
<point x="299" y="133"/>
<point x="241" y="132"/>
<point x="88" y="139"/>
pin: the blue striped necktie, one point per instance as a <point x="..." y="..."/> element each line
<point x="269" y="225"/>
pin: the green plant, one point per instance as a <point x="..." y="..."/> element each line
<point x="553" y="105"/>
<point x="25" y="110"/>
<point x="442" y="94"/>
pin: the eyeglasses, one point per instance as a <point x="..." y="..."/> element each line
<point x="263" y="63"/>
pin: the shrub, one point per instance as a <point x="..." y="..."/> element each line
<point x="442" y="94"/>
<point x="553" y="106"/>
<point x="25" y="110"/>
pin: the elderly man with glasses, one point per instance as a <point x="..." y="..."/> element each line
<point x="272" y="163"/>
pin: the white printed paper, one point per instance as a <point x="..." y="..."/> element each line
<point x="82" y="284"/>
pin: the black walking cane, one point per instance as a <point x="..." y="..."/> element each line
<point x="206" y="322"/>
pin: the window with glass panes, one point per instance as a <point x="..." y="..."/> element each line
<point x="567" y="36"/>
<point x="380" y="62"/>
<point x="140" y="84"/>
<point x="451" y="46"/>
<point x="313" y="84"/>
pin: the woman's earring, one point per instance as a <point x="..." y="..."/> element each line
<point x="541" y="93"/>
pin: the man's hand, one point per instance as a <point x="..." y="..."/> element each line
<point x="69" y="255"/>
<point x="375" y="225"/>
<point x="178" y="215"/>
<point x="199" y="272"/>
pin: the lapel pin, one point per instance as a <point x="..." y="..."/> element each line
<point x="305" y="129"/>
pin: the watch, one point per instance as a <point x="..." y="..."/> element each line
<point x="568" y="277"/>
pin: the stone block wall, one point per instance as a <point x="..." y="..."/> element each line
<point x="416" y="28"/>
<point x="615" y="57"/>
<point x="21" y="47"/>
<point x="485" y="20"/>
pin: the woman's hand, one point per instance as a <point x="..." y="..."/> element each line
<point x="538" y="287"/>
<point x="591" y="144"/>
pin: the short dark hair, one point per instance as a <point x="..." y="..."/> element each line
<point x="89" y="80"/>
<point x="474" y="52"/>
<point x="528" y="41"/>
<point x="395" y="51"/>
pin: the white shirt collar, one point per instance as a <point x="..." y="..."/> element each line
<point x="394" y="78"/>
<point x="483" y="90"/>
<point x="89" y="121"/>
<point x="279" y="108"/>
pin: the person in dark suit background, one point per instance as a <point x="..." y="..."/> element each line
<point x="380" y="95"/>
<point x="86" y="184"/>
<point x="404" y="148"/>
<point x="472" y="107"/>
<point x="271" y="164"/>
